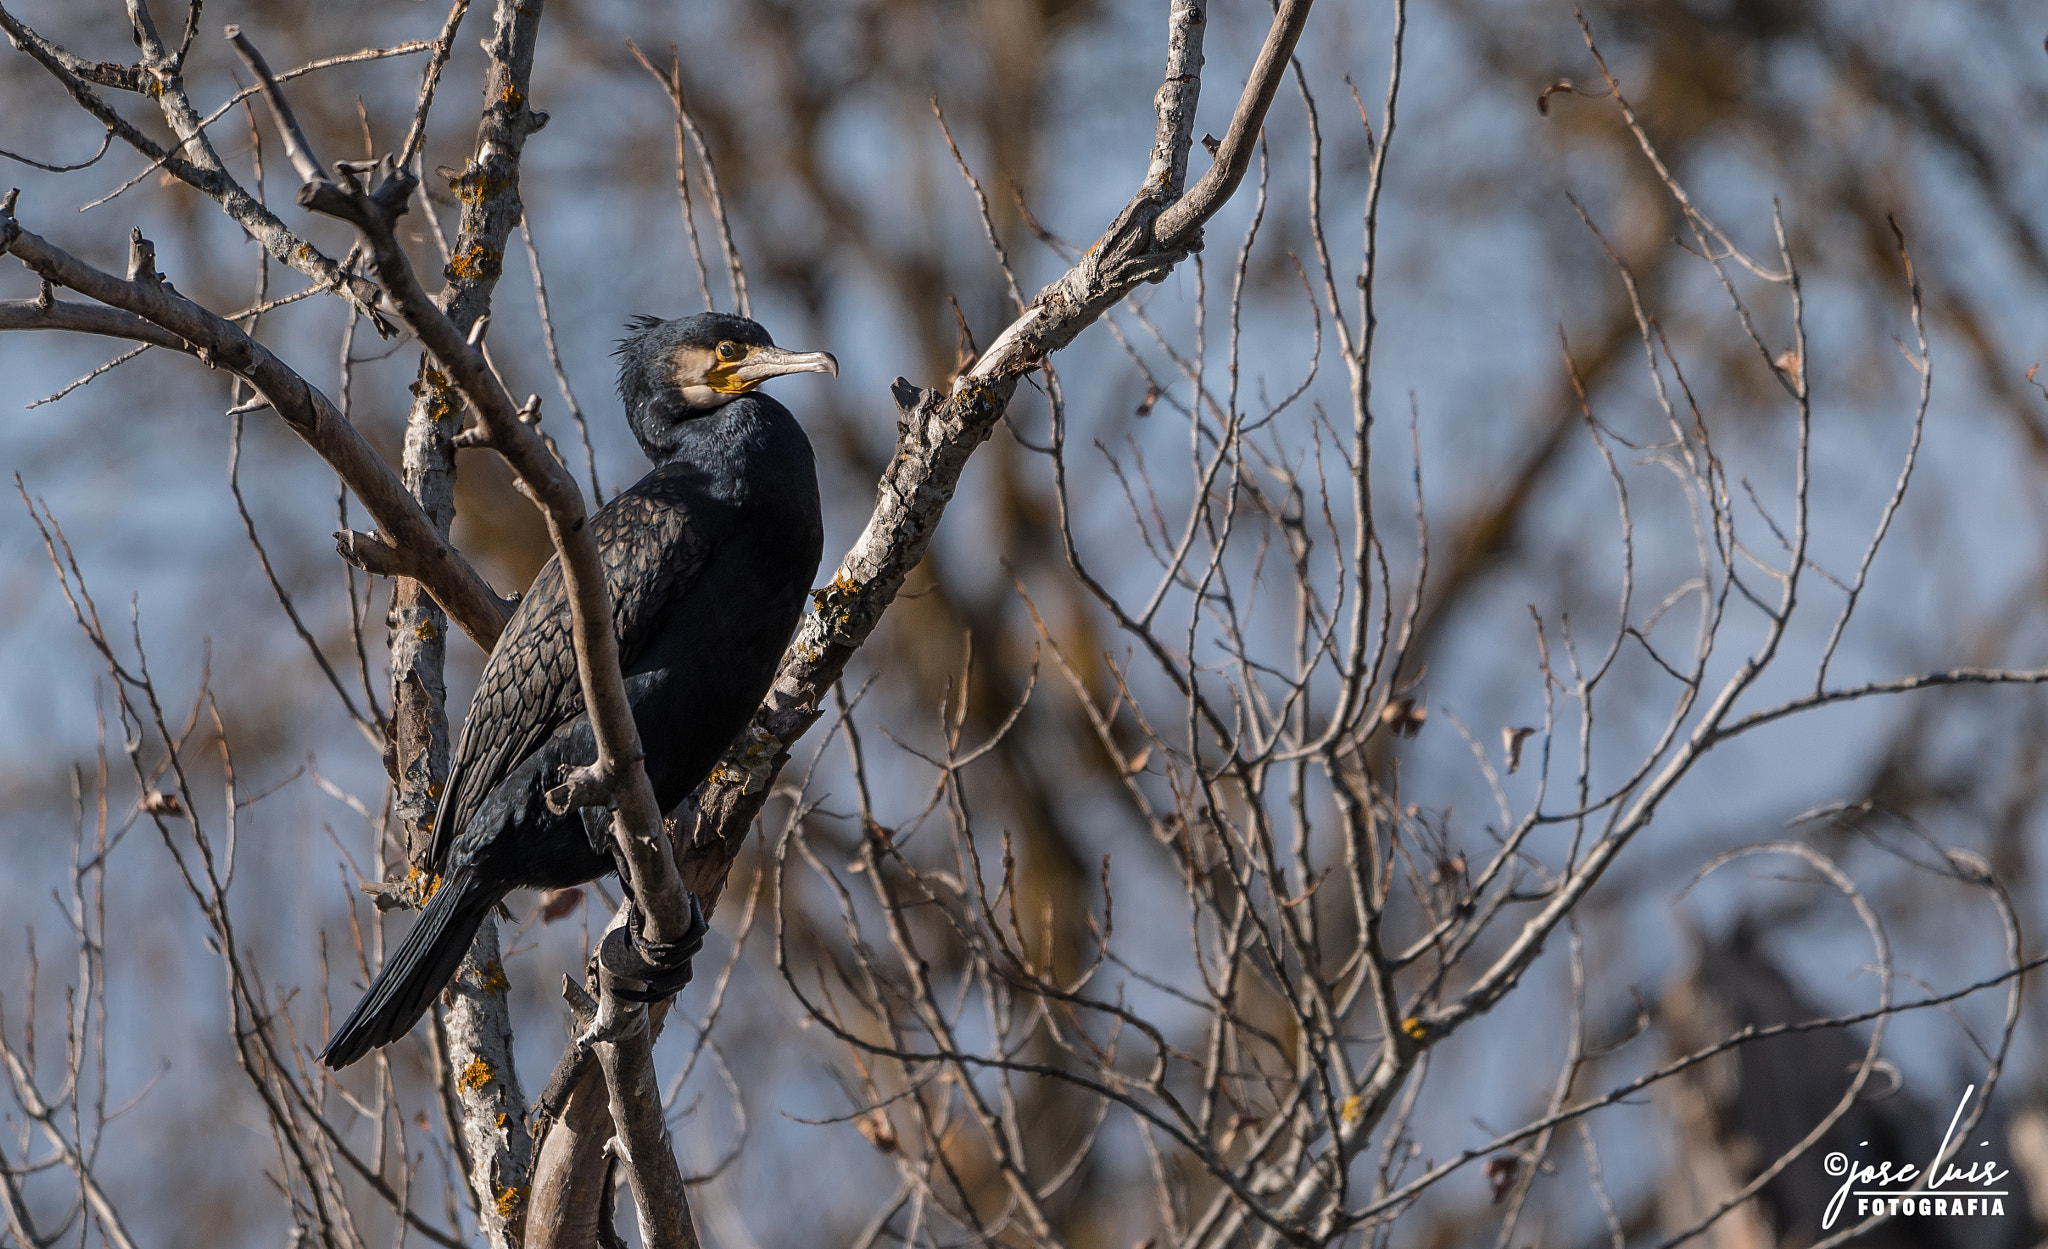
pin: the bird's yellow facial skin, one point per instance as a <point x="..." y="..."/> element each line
<point x="706" y="378"/>
<point x="722" y="375"/>
<point x="709" y="376"/>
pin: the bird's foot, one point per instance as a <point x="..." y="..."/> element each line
<point x="660" y="968"/>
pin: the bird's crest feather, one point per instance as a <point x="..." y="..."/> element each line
<point x="636" y="325"/>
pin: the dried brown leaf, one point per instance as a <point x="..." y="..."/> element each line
<point x="880" y="1133"/>
<point x="558" y="904"/>
<point x="1511" y="740"/>
<point x="1405" y="716"/>
<point x="1501" y="1172"/>
<point x="158" y="803"/>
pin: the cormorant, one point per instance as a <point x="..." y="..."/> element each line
<point x="708" y="559"/>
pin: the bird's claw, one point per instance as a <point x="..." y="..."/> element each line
<point x="662" y="969"/>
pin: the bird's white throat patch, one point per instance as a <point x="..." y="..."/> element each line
<point x="693" y="370"/>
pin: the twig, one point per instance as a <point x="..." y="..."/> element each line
<point x="988" y="224"/>
<point x="153" y="312"/>
<point x="669" y="83"/>
<point x="297" y="148"/>
<point x="372" y="732"/>
<point x="106" y="142"/>
<point x="547" y="329"/>
<point x="672" y="83"/>
<point x="444" y="45"/>
<point x="201" y="167"/>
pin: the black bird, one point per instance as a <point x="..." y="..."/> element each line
<point x="708" y="559"/>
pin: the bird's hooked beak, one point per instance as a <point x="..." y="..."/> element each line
<point x="762" y="363"/>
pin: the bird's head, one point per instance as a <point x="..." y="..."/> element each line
<point x="672" y="372"/>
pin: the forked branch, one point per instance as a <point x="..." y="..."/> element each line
<point x="145" y="308"/>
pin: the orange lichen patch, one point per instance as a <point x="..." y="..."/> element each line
<point x="841" y="592"/>
<point x="475" y="263"/>
<point x="477" y="1074"/>
<point x="493" y="977"/>
<point x="508" y="1201"/>
<point x="417" y="887"/>
<point x="425" y="631"/>
<point x="432" y="391"/>
<point x="477" y="184"/>
<point x="839" y="610"/>
<point x="433" y="789"/>
<point x="750" y="763"/>
<point x="1415" y="1029"/>
<point x="511" y="96"/>
<point x="973" y="394"/>
<point x="500" y="1120"/>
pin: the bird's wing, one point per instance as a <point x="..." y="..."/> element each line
<point x="653" y="551"/>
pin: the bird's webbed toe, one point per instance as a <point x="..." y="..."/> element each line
<point x="661" y="968"/>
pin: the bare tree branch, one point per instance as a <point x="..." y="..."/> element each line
<point x="199" y="167"/>
<point x="220" y="343"/>
<point x="935" y="436"/>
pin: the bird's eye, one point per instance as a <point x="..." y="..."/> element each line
<point x="728" y="352"/>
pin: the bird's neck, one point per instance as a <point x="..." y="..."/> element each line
<point x="720" y="443"/>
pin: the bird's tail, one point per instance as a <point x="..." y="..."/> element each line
<point x="420" y="968"/>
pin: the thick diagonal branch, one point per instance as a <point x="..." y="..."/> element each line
<point x="937" y="433"/>
<point x="192" y="159"/>
<point x="479" y="1078"/>
<point x="407" y="542"/>
<point x="616" y="778"/>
